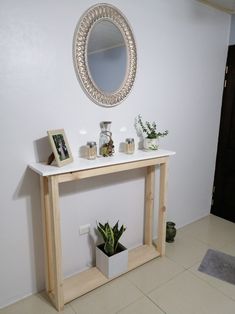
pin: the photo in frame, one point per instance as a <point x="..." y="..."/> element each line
<point x="60" y="147"/>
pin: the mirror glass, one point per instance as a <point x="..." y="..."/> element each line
<point x="106" y="56"/>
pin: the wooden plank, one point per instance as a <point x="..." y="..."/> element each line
<point x="141" y="255"/>
<point x="82" y="174"/>
<point x="92" y="278"/>
<point x="162" y="209"/>
<point x="46" y="223"/>
<point x="55" y="238"/>
<point x="149" y="201"/>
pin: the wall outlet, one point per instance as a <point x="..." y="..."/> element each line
<point x="84" y="229"/>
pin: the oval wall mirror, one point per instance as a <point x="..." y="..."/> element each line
<point x="105" y="55"/>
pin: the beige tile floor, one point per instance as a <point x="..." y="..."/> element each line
<point x="171" y="284"/>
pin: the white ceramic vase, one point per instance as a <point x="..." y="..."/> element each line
<point x="151" y="143"/>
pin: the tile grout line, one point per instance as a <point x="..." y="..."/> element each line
<point x="157" y="305"/>
<point x="73" y="310"/>
<point x="208" y="283"/>
<point x="163" y="284"/>
<point x="123" y="308"/>
<point x="150" y="291"/>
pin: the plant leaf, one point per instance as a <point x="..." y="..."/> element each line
<point x="103" y="233"/>
<point x="110" y="236"/>
<point x="109" y="244"/>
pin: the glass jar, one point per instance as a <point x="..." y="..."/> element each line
<point x="106" y="147"/>
<point x="130" y="146"/>
<point x="91" y="150"/>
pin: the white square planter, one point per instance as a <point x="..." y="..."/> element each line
<point x="112" y="266"/>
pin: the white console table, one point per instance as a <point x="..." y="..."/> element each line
<point x="62" y="290"/>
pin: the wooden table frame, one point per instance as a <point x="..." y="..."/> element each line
<point x="61" y="290"/>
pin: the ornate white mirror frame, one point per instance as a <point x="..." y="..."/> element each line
<point x="92" y="16"/>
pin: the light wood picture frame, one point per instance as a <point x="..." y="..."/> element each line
<point x="60" y="147"/>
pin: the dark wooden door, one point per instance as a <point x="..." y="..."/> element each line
<point x="223" y="203"/>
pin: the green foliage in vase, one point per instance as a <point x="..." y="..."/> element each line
<point x="111" y="236"/>
<point x="150" y="128"/>
<point x="107" y="149"/>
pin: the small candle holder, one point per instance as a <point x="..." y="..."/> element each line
<point x="130" y="146"/>
<point x="91" y="150"/>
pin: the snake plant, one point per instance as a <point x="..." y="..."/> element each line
<point x="111" y="236"/>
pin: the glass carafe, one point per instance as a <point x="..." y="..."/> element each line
<point x="106" y="147"/>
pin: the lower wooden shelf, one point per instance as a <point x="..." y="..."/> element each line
<point x="92" y="278"/>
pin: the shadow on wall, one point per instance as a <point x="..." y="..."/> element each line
<point x="100" y="182"/>
<point x="29" y="189"/>
<point x="42" y="149"/>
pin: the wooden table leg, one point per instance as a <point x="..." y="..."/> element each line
<point x="54" y="243"/>
<point x="162" y="208"/>
<point x="149" y="201"/>
<point x="45" y="201"/>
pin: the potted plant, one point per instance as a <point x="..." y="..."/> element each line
<point x="111" y="256"/>
<point x="149" y="129"/>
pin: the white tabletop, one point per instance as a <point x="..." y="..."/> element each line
<point x="83" y="164"/>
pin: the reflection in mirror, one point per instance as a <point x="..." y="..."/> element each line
<point x="106" y="56"/>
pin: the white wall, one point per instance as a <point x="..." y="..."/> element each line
<point x="182" y="48"/>
<point x="232" y="31"/>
